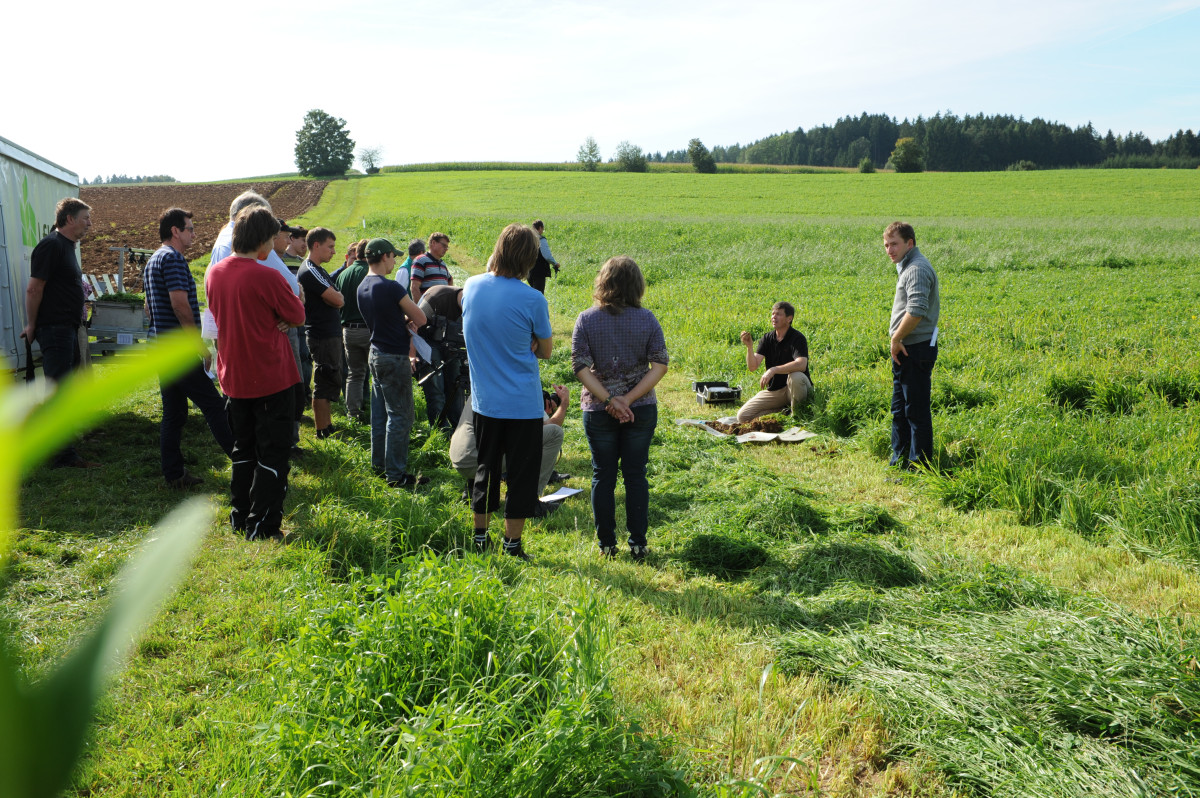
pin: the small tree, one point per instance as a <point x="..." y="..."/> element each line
<point x="630" y="158"/>
<point x="908" y="157"/>
<point x="323" y="145"/>
<point x="866" y="166"/>
<point x="370" y="157"/>
<point x="589" y="154"/>
<point x="702" y="159"/>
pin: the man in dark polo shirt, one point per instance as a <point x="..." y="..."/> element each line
<point x="54" y="302"/>
<point x="429" y="270"/>
<point x="785" y="351"/>
<point x="323" y="326"/>
<point x="171" y="298"/>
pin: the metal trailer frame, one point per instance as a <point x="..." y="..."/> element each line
<point x="30" y="188"/>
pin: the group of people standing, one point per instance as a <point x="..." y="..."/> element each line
<point x="267" y="279"/>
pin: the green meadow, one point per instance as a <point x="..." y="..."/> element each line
<point x="1019" y="621"/>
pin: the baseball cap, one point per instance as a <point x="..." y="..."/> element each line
<point x="380" y="246"/>
<point x="284" y="227"/>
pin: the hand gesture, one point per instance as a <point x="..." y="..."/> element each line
<point x="618" y="408"/>
<point x="765" y="380"/>
<point x="747" y="339"/>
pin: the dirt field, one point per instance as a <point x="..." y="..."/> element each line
<point x="128" y="216"/>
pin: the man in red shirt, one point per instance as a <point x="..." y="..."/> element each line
<point x="254" y="307"/>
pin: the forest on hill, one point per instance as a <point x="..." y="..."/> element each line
<point x="951" y="143"/>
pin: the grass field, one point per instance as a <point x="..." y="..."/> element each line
<point x="1020" y="622"/>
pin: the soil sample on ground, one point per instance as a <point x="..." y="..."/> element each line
<point x="757" y="425"/>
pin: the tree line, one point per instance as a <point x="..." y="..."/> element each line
<point x="959" y="144"/>
<point x="113" y="180"/>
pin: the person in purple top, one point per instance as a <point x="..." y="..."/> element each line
<point x="619" y="354"/>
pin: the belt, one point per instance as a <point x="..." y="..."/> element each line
<point x="354" y="325"/>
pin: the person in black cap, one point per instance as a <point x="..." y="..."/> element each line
<point x="388" y="310"/>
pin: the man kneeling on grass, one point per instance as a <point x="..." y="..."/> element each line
<point x="254" y="308"/>
<point x="785" y="382"/>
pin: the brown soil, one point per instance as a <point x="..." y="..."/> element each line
<point x="128" y="216"/>
<point x="757" y="425"/>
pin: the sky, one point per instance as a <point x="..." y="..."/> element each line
<point x="217" y="90"/>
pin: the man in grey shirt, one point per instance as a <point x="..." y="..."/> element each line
<point x="914" y="333"/>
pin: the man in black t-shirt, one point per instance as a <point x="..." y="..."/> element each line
<point x="322" y="326"/>
<point x="785" y="350"/>
<point x="54" y="302"/>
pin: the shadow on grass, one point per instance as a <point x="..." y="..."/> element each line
<point x="128" y="489"/>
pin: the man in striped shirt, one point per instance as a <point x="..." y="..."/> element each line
<point x="429" y="270"/>
<point x="171" y="298"/>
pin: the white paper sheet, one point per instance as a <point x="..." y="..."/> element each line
<point x="560" y="494"/>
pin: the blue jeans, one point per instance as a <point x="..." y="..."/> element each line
<point x="391" y="412"/>
<point x="60" y="356"/>
<point x="196" y="386"/>
<point x="912" y="419"/>
<point x="625" y="447"/>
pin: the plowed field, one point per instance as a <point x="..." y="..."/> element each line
<point x="128" y="216"/>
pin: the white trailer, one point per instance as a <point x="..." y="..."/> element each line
<point x="30" y="188"/>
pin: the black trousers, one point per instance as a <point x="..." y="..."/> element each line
<point x="538" y="280"/>
<point x="262" y="440"/>
<point x="518" y="444"/>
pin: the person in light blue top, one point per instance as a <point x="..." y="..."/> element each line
<point x="506" y="325"/>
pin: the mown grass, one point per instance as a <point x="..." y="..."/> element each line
<point x="277" y="670"/>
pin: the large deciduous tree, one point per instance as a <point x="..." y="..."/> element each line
<point x="323" y="145"/>
<point x="908" y="157"/>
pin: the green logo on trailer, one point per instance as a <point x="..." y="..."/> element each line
<point x="29" y="236"/>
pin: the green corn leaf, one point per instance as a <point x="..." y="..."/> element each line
<point x="43" y="728"/>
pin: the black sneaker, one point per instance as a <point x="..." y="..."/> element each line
<point x="639" y="553"/>
<point x="184" y="482"/>
<point x="297" y="452"/>
<point x="513" y="548"/>
<point x="558" y="476"/>
<point x="483" y="546"/>
<point x="608" y="552"/>
<point x="408" y="481"/>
